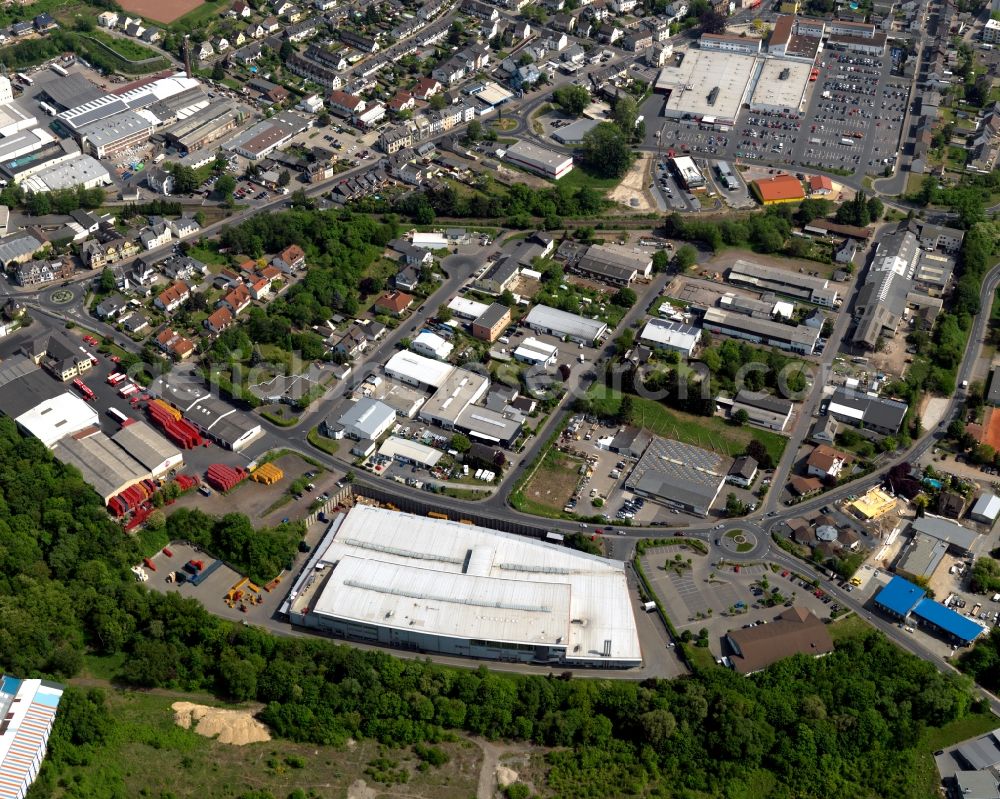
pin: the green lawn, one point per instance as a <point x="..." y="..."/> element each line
<point x="708" y="432"/>
<point x="848" y="627"/>
<point x="126" y="48"/>
<point x="280" y="416"/>
<point x="580" y="177"/>
<point x="198" y="18"/>
<point x="321" y="442"/>
<point x="148" y="754"/>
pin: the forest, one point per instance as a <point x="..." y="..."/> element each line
<point x="847" y="725"/>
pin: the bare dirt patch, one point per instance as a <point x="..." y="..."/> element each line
<point x="235" y="727"/>
<point x="633" y="187"/>
<point x="359" y="790"/>
<point x="160" y="10"/>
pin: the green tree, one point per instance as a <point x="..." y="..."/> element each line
<point x="460" y="443"/>
<point x="624" y="298"/>
<point x="661" y="261"/>
<point x="218" y="70"/>
<point x="741" y="417"/>
<point x="571" y="99"/>
<point x="685" y="257"/>
<point x="284" y="178"/>
<point x="606" y="151"/>
<point x="474" y="131"/>
<point x="108" y="282"/>
<point x="225" y="186"/>
<point x="624" y="112"/>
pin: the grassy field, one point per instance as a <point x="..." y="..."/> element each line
<point x="126" y="48"/>
<point x="152" y="756"/>
<point x="321" y="442"/>
<point x="580" y="177"/>
<point x="848" y="627"/>
<point x="708" y="432"/>
<point x="552" y="484"/>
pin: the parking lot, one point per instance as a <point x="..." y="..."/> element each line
<point x="856" y="114"/>
<point x="853" y="121"/>
<point x="723" y="597"/>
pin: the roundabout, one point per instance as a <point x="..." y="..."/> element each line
<point x="62" y="296"/>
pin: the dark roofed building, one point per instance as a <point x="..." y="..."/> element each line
<point x="881" y="415"/>
<point x="631" y="442"/>
<point x="796" y="631"/>
<point x="950" y="504"/>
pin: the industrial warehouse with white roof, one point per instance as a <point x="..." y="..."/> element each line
<point x="433" y="585"/>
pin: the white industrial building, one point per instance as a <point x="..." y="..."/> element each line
<point x="552" y="321"/>
<point x="467" y="309"/>
<point x="407" y="451"/>
<point x="432" y="345"/>
<point x="533" y="351"/>
<point x="546" y="163"/>
<point x="416" y="370"/>
<point x="672" y="336"/>
<point x="63" y="415"/>
<point x="28" y="709"/>
<point x="461" y="389"/>
<point x="367" y="419"/>
<point x="986" y="509"/>
<point x="431" y="585"/>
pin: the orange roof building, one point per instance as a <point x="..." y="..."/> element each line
<point x="820" y="184"/>
<point x="783" y="188"/>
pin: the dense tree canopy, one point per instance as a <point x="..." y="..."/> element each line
<point x="606" y="152"/>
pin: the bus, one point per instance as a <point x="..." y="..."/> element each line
<point x="23" y="78"/>
<point x="84" y="389"/>
<point x="128" y="390"/>
<point x="117" y="415"/>
<point x="58" y="70"/>
<point x="847" y="142"/>
<point x="48" y="109"/>
<point x="116" y="378"/>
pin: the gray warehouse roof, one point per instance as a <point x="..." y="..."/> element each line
<point x="981" y="753"/>
<point x="564" y="323"/>
<point x="680" y="472"/>
<point x="952" y="533"/>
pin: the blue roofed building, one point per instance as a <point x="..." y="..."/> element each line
<point x="947" y="621"/>
<point x="901" y="598"/>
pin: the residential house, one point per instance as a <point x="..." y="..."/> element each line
<point x="290" y="259"/>
<point x="240" y="10"/>
<point x="221" y="44"/>
<point x="172" y="297"/>
<point x="825" y="463"/>
<point x="220" y="319"/>
<point x="107" y="19"/>
<point x="111" y="307"/>
<point x="204" y="51"/>
<point x="159" y="180"/>
<point x="427" y="88"/>
<point x="476" y="8"/>
<point x="344" y="104"/>
<point x="394" y="303"/>
<point x="366" y="44"/>
<point x="151" y="35"/>
<point x="237" y="300"/>
<point x="300" y="31"/>
<point x="402" y="101"/>
<point x="97" y="253"/>
<point x="183" y="227"/>
<point x="155" y="235"/>
<point x="174" y="344"/>
<point x="450" y="72"/>
<point x="135" y="323"/>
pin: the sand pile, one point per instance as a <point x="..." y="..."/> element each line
<point x="236" y="727"/>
